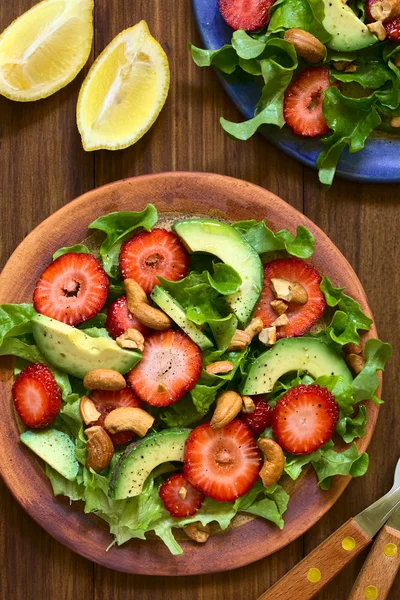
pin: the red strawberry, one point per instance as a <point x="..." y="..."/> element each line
<point x="304" y="419"/>
<point x="171" y="365"/>
<point x="301" y="316"/>
<point x="302" y="107"/>
<point x="105" y="402"/>
<point x="180" y="498"/>
<point x="261" y="418"/>
<point x="222" y="463"/>
<point x="72" y="289"/>
<point x="251" y="15"/>
<point x="119" y="319"/>
<point x="392" y="27"/>
<point x="149" y="254"/>
<point x="37" y="396"/>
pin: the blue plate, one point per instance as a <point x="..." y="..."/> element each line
<point x="378" y="162"/>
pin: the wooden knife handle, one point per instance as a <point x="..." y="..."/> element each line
<point x="379" y="570"/>
<point x="318" y="568"/>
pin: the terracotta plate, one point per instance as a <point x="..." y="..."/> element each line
<point x="174" y="194"/>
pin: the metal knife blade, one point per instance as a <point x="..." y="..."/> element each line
<point x="375" y="516"/>
<point x="394" y="520"/>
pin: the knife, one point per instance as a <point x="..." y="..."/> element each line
<point x="383" y="562"/>
<point x="307" y="578"/>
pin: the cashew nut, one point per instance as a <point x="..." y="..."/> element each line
<point x="395" y="122"/>
<point x="377" y="29"/>
<point x="197" y="532"/>
<point x="219" y="367"/>
<point x="290" y="291"/>
<point x="268" y="336"/>
<point x="279" y="306"/>
<point x="89" y="413"/>
<point x="128" y="419"/>
<point x="351" y="348"/>
<point x="248" y="405"/>
<point x="306" y="45"/>
<point x="281" y="321"/>
<point x="228" y="406"/>
<point x="254" y="327"/>
<point x="139" y="306"/>
<point x="355" y="362"/>
<point x="274" y="461"/>
<point x="104" y="379"/>
<point x="100" y="448"/>
<point x="131" y="339"/>
<point x="242" y="338"/>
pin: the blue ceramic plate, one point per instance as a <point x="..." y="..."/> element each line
<point x="378" y="162"/>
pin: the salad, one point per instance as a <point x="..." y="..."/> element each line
<point x="325" y="67"/>
<point x="171" y="379"/>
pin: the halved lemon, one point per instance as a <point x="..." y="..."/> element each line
<point x="124" y="91"/>
<point x="45" y="48"/>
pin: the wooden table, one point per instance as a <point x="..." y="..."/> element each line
<point x="43" y="167"/>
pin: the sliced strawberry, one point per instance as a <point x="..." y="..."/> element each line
<point x="301" y="316"/>
<point x="171" y="365"/>
<point x="180" y="498"/>
<point x="222" y="463"/>
<point x="72" y="289"/>
<point x="105" y="402"/>
<point x="304" y="419"/>
<point x="302" y="107"/>
<point x="250" y="15"/>
<point x="119" y="319"/>
<point x="37" y="396"/>
<point x="149" y="254"/>
<point x="261" y="418"/>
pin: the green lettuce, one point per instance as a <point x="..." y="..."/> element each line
<point x="367" y="382"/>
<point x="118" y="227"/>
<point x="15" y="320"/>
<point x="264" y="240"/>
<point x="302" y="14"/>
<point x="78" y="248"/>
<point x="225" y="58"/>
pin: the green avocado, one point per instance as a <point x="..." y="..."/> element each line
<point x="75" y="352"/>
<point x="174" y="310"/>
<point x="348" y="32"/>
<point x="225" y="242"/>
<point x="55" y="448"/>
<point x="140" y="458"/>
<point x="291" y="355"/>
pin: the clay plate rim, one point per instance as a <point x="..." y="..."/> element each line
<point x="187" y="193"/>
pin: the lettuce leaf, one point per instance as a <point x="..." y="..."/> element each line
<point x="350" y="428"/>
<point x="75" y="248"/>
<point x="366" y="383"/>
<point x="303" y="14"/>
<point x="15" y="320"/>
<point x="264" y="240"/>
<point x="225" y="58"/>
<point x="118" y="227"/>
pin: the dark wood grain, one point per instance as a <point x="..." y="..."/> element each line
<point x="43" y="167"/>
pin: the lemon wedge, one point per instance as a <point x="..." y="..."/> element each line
<point x="124" y="91"/>
<point x="45" y="48"/>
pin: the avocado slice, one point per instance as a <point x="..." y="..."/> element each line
<point x="141" y="457"/>
<point x="225" y="242"/>
<point x="174" y="310"/>
<point x="55" y="448"/>
<point x="293" y="354"/>
<point x="348" y="32"/>
<point x="75" y="352"/>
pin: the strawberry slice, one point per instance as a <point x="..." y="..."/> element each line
<point x="250" y="15"/>
<point x="304" y="419"/>
<point x="149" y="254"/>
<point x="301" y="316"/>
<point x="222" y="463"/>
<point x="119" y="319"/>
<point x="302" y="107"/>
<point x="170" y="367"/>
<point x="105" y="402"/>
<point x="37" y="396"/>
<point x="180" y="498"/>
<point x="72" y="289"/>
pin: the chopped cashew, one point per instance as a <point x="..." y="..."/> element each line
<point x="139" y="306"/>
<point x="290" y="291"/>
<point x="89" y="413"/>
<point x="274" y="461"/>
<point x="219" y="367"/>
<point x="104" y="379"/>
<point x="128" y="419"/>
<point x="384" y="10"/>
<point x="281" y="321"/>
<point x="377" y="29"/>
<point x="352" y="348"/>
<point x="100" y="448"/>
<point x="279" y="306"/>
<point x="228" y="406"/>
<point x="340" y="65"/>
<point x="131" y="339"/>
<point x="254" y="327"/>
<point x="248" y="405"/>
<point x="395" y="122"/>
<point x="351" y="69"/>
<point x="268" y="336"/>
<point x="197" y="532"/>
<point x="355" y="362"/>
<point x="239" y="341"/>
<point x="182" y="493"/>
